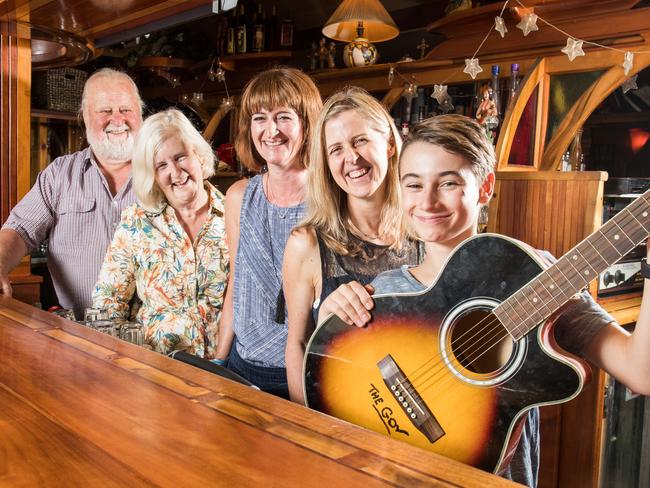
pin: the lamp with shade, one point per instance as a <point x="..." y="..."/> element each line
<point x="360" y="22"/>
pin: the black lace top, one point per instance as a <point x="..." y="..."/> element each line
<point x="363" y="267"/>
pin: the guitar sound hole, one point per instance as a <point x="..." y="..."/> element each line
<point x="480" y="343"/>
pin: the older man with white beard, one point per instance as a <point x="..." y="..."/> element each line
<point x="77" y="200"/>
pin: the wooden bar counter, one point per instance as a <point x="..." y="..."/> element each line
<point x="80" y="408"/>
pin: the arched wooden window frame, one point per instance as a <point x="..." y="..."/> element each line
<point x="547" y="155"/>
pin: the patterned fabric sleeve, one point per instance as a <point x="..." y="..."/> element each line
<point x="117" y="281"/>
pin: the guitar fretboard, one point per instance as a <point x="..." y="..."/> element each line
<point x="552" y="288"/>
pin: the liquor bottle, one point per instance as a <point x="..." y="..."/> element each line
<point x="575" y="152"/>
<point x="286" y="33"/>
<point x="241" y="32"/>
<point x="514" y="83"/>
<point x="273" y="31"/>
<point x="494" y="84"/>
<point x="231" y="36"/>
<point x="259" y="29"/>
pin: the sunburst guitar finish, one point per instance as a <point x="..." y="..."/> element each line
<point x="455" y="368"/>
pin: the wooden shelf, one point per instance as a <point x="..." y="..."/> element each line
<point x="226" y="174"/>
<point x="251" y="61"/>
<point x="53" y="114"/>
<point x="165" y="62"/>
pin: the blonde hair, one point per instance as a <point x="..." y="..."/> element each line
<point x="276" y="87"/>
<point x="326" y="201"/>
<point x="155" y="131"/>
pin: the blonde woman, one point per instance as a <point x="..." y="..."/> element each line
<point x="353" y="229"/>
<point x="170" y="248"/>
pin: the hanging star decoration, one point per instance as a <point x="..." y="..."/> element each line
<point x="573" y="48"/>
<point x="217" y="74"/>
<point x="628" y="61"/>
<point x="391" y="76"/>
<point x="471" y="67"/>
<point x="500" y="26"/>
<point x="630" y="84"/>
<point x="528" y="23"/>
<point x="440" y="93"/>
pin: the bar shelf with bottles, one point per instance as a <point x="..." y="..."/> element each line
<point x="254" y="32"/>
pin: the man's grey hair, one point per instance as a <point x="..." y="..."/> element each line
<point x="110" y="74"/>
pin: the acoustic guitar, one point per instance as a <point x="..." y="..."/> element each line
<point x="454" y="369"/>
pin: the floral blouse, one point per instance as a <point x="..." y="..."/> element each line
<point x="181" y="284"/>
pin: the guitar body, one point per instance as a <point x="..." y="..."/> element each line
<point x="432" y="352"/>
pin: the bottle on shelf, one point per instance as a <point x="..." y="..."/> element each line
<point x="259" y="27"/>
<point x="231" y="36"/>
<point x="494" y="84"/>
<point x="273" y="31"/>
<point x="241" y="32"/>
<point x="286" y="33"/>
<point x="514" y="83"/>
<point x="575" y="152"/>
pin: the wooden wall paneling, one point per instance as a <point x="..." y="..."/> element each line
<point x="23" y="116"/>
<point x="8" y="122"/>
<point x="554" y="211"/>
<point x="588" y="101"/>
<point x="15" y="167"/>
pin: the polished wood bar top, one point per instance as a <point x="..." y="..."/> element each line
<point x="80" y="408"/>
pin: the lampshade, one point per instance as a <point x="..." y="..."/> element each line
<point x="377" y="23"/>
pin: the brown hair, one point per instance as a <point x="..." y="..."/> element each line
<point x="277" y="87"/>
<point x="460" y="135"/>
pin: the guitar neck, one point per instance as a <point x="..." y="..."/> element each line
<point x="542" y="296"/>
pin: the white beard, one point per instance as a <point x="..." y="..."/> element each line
<point x="108" y="150"/>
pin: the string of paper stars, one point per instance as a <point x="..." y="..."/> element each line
<point x="528" y="24"/>
<point x="219" y="74"/>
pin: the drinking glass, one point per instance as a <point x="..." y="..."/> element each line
<point x="103" y="326"/>
<point x="132" y="332"/>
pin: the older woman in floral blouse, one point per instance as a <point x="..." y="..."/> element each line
<point x="170" y="247"/>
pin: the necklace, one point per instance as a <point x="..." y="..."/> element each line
<point x="282" y="211"/>
<point x="358" y="231"/>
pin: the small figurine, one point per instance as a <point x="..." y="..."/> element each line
<point x="331" y="55"/>
<point x="323" y="51"/>
<point x="422" y="47"/>
<point x="486" y="113"/>
<point x="313" y="56"/>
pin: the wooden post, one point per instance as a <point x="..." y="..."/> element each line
<point x="15" y="112"/>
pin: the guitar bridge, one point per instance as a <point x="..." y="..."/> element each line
<point x="409" y="399"/>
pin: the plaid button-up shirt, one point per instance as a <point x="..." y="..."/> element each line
<point x="72" y="207"/>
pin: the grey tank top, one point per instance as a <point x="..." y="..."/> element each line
<point x="263" y="233"/>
